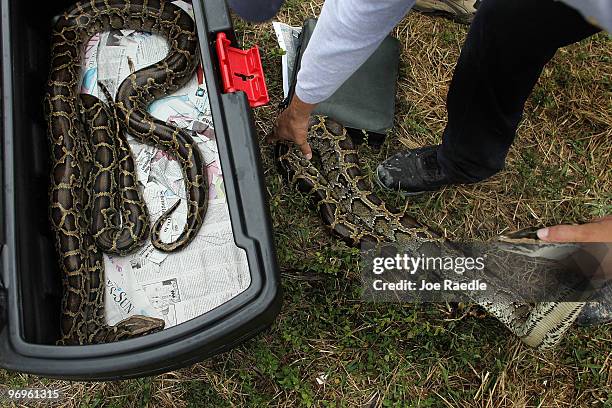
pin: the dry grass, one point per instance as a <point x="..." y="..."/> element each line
<point x="558" y="170"/>
<point x="559" y="167"/>
<point x="399" y="355"/>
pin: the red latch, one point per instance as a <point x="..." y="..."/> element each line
<point x="241" y="70"/>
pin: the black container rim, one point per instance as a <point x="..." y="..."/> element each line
<point x="141" y="355"/>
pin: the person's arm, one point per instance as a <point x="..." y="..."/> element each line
<point x="596" y="12"/>
<point x="598" y="230"/>
<point x="346" y="34"/>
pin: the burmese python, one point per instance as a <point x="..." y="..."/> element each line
<point x="87" y="214"/>
<point x="354" y="213"/>
<point x="119" y="221"/>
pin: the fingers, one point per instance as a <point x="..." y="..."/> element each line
<point x="300" y="139"/>
<point x="272" y="137"/>
<point x="604" y="218"/>
<point x="293" y="128"/>
<point x="306" y="150"/>
<point x="292" y="125"/>
<point x="563" y="233"/>
<point x="593" y="232"/>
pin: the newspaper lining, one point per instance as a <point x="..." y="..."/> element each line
<point x="288" y="41"/>
<point x="212" y="269"/>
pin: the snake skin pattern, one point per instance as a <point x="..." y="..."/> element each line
<point x="119" y="217"/>
<point x="85" y="222"/>
<point x="355" y="214"/>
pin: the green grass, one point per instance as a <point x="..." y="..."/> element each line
<point x="401" y="355"/>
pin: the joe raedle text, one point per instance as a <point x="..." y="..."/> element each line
<point x="427" y="286"/>
<point x="404" y="273"/>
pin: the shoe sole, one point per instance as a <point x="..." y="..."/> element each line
<point x="457" y="16"/>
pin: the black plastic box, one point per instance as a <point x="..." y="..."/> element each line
<point x="30" y="286"/>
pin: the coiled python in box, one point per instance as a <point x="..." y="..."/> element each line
<point x="95" y="204"/>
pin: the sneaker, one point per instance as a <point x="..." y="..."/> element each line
<point x="461" y="11"/>
<point x="413" y="172"/>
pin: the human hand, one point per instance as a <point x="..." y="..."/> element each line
<point x="292" y="125"/>
<point x="598" y="230"/>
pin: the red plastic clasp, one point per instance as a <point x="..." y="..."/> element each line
<point x="241" y="70"/>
